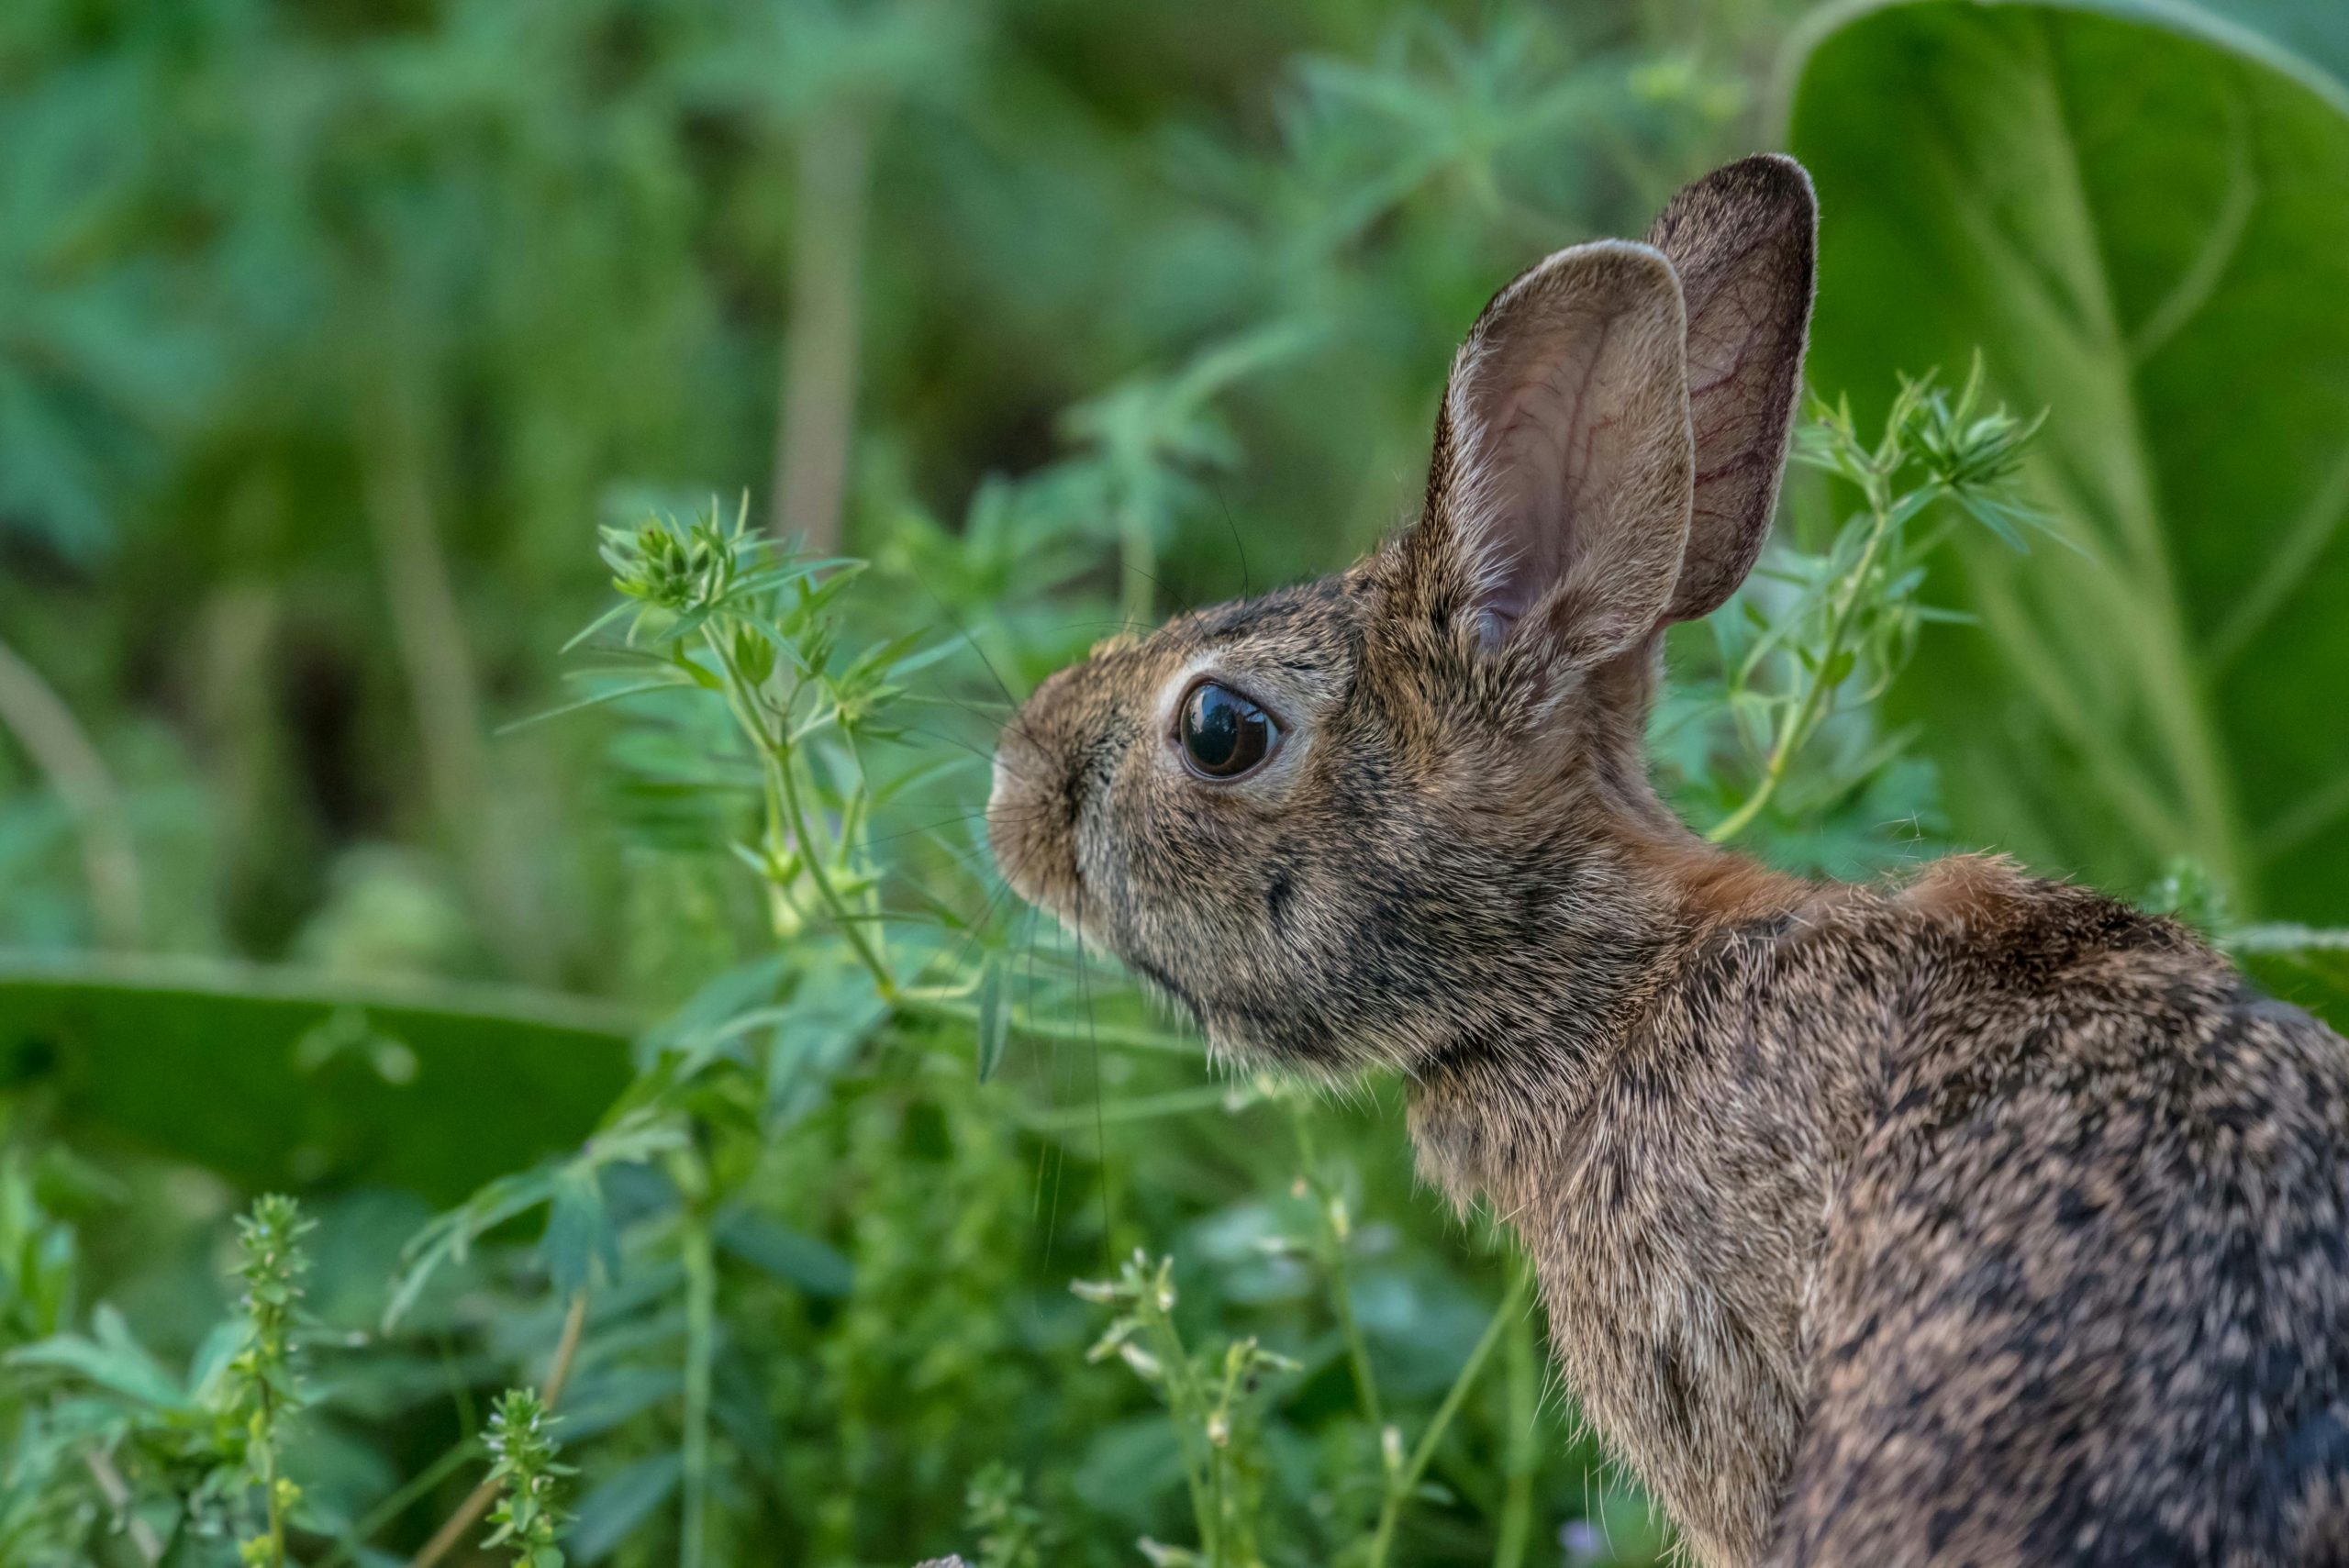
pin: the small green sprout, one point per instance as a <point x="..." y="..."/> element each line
<point x="266" y="1387"/>
<point x="1012" y="1531"/>
<point x="1815" y="633"/>
<point x="528" y="1514"/>
<point x="671" y="565"/>
<point x="1216" y="1402"/>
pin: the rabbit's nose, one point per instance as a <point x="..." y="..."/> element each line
<point x="1028" y="821"/>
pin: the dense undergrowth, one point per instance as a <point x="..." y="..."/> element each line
<point x="799" y="1283"/>
<point x="857" y="1215"/>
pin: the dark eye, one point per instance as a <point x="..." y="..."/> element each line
<point x="1223" y="733"/>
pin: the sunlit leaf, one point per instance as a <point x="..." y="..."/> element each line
<point x="2135" y="211"/>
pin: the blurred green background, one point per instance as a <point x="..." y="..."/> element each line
<point x="329" y="332"/>
<point x="332" y="331"/>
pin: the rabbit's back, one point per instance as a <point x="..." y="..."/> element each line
<point x="2084" y="1293"/>
<point x="1992" y="1222"/>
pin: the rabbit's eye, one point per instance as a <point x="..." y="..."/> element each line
<point x="1223" y="734"/>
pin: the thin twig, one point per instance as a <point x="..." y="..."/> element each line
<point x="429" y="638"/>
<point x="1334" y="1242"/>
<point x="816" y="424"/>
<point x="1402" y="1483"/>
<point x="143" y="1537"/>
<point x="468" y="1512"/>
<point x="701" y="1349"/>
<point x="426" y="1482"/>
<point x="59" y="746"/>
<point x="1521" y="1454"/>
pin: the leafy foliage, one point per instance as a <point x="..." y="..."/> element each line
<point x="325" y="336"/>
<point x="1813" y="632"/>
<point x="2133" y="211"/>
<point x="526" y="1474"/>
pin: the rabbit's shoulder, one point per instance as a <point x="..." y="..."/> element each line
<point x="2019" y="987"/>
<point x="2092" y="1256"/>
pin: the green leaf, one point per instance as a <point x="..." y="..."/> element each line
<point x="790" y="1256"/>
<point x="113" y="1361"/>
<point x="814" y="1035"/>
<point x="580" y="1236"/>
<point x="611" y="1513"/>
<point x="272" y="1078"/>
<point x="2135" y="208"/>
<point x="994" y="1017"/>
<point x="448" y="1236"/>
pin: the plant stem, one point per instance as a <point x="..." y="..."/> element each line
<point x="816" y="424"/>
<point x="347" y="1550"/>
<point x="783" y="794"/>
<point x="270" y="1502"/>
<point x="1811" y="708"/>
<point x="143" y="1539"/>
<point x="701" y="1343"/>
<point x="1519" y="1367"/>
<point x="1333" y="1248"/>
<point x="796" y="817"/>
<point x="1189" y="1409"/>
<point x="428" y="633"/>
<point x="1236" y="1542"/>
<point x="1057" y="1029"/>
<point x="1137" y="566"/>
<point x="2282" y="936"/>
<point x="33" y="711"/>
<point x="1142" y="1107"/>
<point x="468" y="1512"/>
<point x="1402" y="1483"/>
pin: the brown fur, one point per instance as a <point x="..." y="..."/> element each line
<point x="1980" y="1221"/>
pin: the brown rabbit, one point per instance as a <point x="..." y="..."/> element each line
<point x="1978" y="1220"/>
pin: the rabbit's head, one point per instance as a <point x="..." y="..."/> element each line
<point x="1344" y="822"/>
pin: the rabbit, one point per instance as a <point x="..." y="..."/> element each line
<point x="1965" y="1218"/>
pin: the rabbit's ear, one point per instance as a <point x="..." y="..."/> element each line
<point x="1558" y="499"/>
<point x="1744" y="242"/>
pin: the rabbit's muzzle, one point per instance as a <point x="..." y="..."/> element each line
<point x="1033" y="807"/>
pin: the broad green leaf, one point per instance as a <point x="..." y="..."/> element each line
<point x="2139" y="210"/>
<point x="272" y="1078"/>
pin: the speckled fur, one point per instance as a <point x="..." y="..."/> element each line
<point x="1981" y="1221"/>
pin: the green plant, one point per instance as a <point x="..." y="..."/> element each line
<point x="1816" y="632"/>
<point x="2133" y="210"/>
<point x="264" y="1388"/>
<point x="664" y="1209"/>
<point x="210" y="1449"/>
<point x="528" y="1514"/>
<point x="1011" y="1531"/>
<point x="1216" y="1400"/>
<point x="793" y="1265"/>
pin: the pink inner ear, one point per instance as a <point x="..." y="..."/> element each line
<point x="1569" y="409"/>
<point x="1540" y="462"/>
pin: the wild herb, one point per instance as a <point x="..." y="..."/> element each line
<point x="529" y="1475"/>
<point x="1166" y="303"/>
<point x="1814" y="633"/>
<point x="264" y="1388"/>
